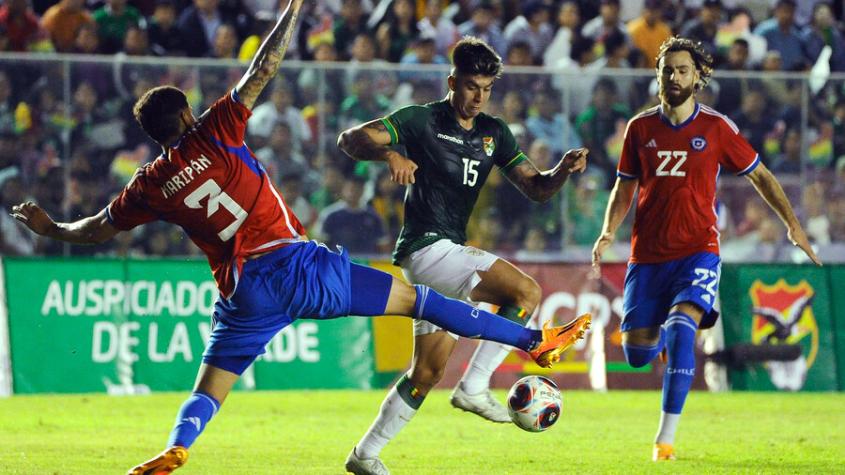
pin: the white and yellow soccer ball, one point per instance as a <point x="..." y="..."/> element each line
<point x="534" y="403"/>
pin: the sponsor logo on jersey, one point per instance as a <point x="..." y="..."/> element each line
<point x="783" y="314"/>
<point x="698" y="143"/>
<point x="489" y="146"/>
<point x="450" y="139"/>
<point x="651" y="144"/>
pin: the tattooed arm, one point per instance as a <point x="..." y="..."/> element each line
<point x="371" y="141"/>
<point x="269" y="56"/>
<point x="541" y="186"/>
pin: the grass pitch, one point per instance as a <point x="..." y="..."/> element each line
<point x="311" y="432"/>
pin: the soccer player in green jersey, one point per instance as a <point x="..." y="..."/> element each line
<point x="451" y="148"/>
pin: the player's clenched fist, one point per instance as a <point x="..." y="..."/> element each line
<point x="33" y="217"/>
<point x="575" y="160"/>
<point x="401" y="169"/>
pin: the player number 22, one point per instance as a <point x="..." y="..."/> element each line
<point x="470" y="173"/>
<point x="667" y="156"/>
<point x="216" y="198"/>
<point x="702" y="281"/>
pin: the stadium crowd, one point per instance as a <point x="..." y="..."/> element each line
<point x="578" y="71"/>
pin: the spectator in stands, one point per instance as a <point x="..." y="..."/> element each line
<point x="616" y="56"/>
<point x="789" y="160"/>
<point x="838" y="122"/>
<point x="225" y="45"/>
<point x="732" y="89"/>
<point x="21" y="26"/>
<point x="588" y="200"/>
<point x="363" y="102"/>
<point x="280" y="108"/>
<point x="349" y="224"/>
<point x="348" y="26"/>
<point x="397" y="32"/>
<point x="388" y="203"/>
<point x="198" y="24"/>
<point x="603" y="25"/>
<point x="648" y="31"/>
<point x="704" y="27"/>
<point x="753" y="121"/>
<point x="816" y="221"/>
<point x="7" y="108"/>
<point x="823" y="31"/>
<point x="782" y="35"/>
<point x="550" y="125"/>
<point x="424" y="51"/>
<point x="62" y="22"/>
<point x="603" y="119"/>
<point x="754" y="213"/>
<point x="113" y="19"/>
<point x="282" y="159"/>
<point x="444" y="31"/>
<point x="136" y="42"/>
<point x="14" y="239"/>
<point x="513" y="108"/>
<point x="579" y="77"/>
<point x="484" y="25"/>
<point x="291" y="187"/>
<point x="568" y="26"/>
<point x="533" y="28"/>
<point x="836" y="214"/>
<point x="165" y="38"/>
<point x="330" y="186"/>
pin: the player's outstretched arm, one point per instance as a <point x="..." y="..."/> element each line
<point x="371" y="141"/>
<point x="91" y="230"/>
<point x="771" y="191"/>
<point x="269" y="56"/>
<point x="540" y="186"/>
<point x="617" y="207"/>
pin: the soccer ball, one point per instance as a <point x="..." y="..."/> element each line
<point x="534" y="403"/>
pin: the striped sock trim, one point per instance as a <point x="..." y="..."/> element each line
<point x="422" y="296"/>
<point x="680" y="318"/>
<point x="214" y="404"/>
<point x="411" y="395"/>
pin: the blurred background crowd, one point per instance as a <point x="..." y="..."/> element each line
<point x="576" y="71"/>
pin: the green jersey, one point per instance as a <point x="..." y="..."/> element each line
<point x="453" y="165"/>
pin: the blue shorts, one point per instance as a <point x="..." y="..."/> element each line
<point x="301" y="280"/>
<point x="652" y="289"/>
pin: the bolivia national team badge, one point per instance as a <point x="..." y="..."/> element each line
<point x="489" y="146"/>
<point x="698" y="143"/>
<point x="783" y="314"/>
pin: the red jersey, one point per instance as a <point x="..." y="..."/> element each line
<point x="677" y="167"/>
<point x="212" y="186"/>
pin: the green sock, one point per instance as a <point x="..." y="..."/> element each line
<point x="513" y="313"/>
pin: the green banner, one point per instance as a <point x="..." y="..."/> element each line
<point x="781" y="304"/>
<point x="837" y="292"/>
<point x="92" y="325"/>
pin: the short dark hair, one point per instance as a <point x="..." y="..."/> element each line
<point x="159" y="110"/>
<point x="702" y="59"/>
<point x="473" y="56"/>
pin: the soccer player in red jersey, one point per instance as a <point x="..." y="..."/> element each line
<point x="208" y="182"/>
<point x="672" y="155"/>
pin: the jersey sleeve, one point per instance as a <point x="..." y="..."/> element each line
<point x="406" y="124"/>
<point x="629" y="163"/>
<point x="130" y="209"/>
<point x="506" y="154"/>
<point x="737" y="155"/>
<point x="227" y="119"/>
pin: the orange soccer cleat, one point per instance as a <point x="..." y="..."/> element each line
<point x="663" y="452"/>
<point x="556" y="340"/>
<point x="163" y="464"/>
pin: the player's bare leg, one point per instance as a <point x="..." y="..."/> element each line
<point x="211" y="381"/>
<point x="518" y="295"/>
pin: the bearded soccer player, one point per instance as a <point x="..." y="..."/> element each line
<point x="451" y="148"/>
<point x="208" y="182"/>
<point x="672" y="155"/>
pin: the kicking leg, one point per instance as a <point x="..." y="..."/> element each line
<point x="431" y="352"/>
<point x="518" y="295"/>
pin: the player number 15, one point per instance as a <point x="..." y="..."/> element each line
<point x="470" y="173"/>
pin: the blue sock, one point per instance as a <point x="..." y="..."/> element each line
<point x="465" y="320"/>
<point x="639" y="356"/>
<point x="192" y="418"/>
<point x="680" y="370"/>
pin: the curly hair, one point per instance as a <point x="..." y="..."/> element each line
<point x="702" y="59"/>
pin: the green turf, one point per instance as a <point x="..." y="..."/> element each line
<point x="311" y="432"/>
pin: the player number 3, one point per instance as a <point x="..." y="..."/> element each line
<point x="217" y="197"/>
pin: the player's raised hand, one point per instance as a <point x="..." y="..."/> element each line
<point x="575" y="160"/>
<point x="33" y="217"/>
<point x="798" y="237"/>
<point x="602" y="243"/>
<point x="401" y="169"/>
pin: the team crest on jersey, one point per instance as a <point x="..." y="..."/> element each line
<point x="698" y="143"/>
<point x="489" y="146"/>
<point x="783" y="314"/>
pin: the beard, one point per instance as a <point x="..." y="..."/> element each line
<point x="675" y="97"/>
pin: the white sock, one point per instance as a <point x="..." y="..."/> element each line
<point x="666" y="431"/>
<point x="487" y="357"/>
<point x="392" y="417"/>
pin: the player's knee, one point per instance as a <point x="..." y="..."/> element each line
<point x="638" y="356"/>
<point x="426" y="377"/>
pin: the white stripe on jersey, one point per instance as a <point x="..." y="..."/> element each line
<point x="284" y="210"/>
<point x="731" y="124"/>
